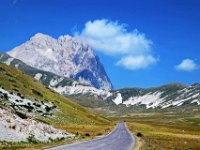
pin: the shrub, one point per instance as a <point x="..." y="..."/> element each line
<point x="13" y="105"/>
<point x="12" y="127"/>
<point x="37" y="104"/>
<point x="37" y="93"/>
<point x="14" y="85"/>
<point x="87" y="134"/>
<point x="28" y="107"/>
<point x="99" y="134"/>
<point x="61" y="139"/>
<point x="21" y="115"/>
<point x="19" y="94"/>
<point x="47" y="108"/>
<point x="41" y="120"/>
<point x="32" y="139"/>
<point x="2" y="69"/>
<point x="54" y="106"/>
<point x="139" y="134"/>
<point x="11" y="80"/>
<point x="39" y="111"/>
<point x="5" y="95"/>
<point x="8" y="74"/>
<point x="14" y="89"/>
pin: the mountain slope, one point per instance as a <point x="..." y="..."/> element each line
<point x="170" y="95"/>
<point x="47" y="78"/>
<point x="15" y="128"/>
<point x="34" y="99"/>
<point x="163" y="97"/>
<point x="65" y="56"/>
<point x="63" y="85"/>
<point x="167" y="96"/>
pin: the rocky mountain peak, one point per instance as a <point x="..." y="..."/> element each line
<point x="66" y="56"/>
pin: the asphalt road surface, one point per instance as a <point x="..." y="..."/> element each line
<point x="119" y="139"/>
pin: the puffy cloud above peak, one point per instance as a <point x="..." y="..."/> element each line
<point x="113" y="38"/>
<point x="187" y="65"/>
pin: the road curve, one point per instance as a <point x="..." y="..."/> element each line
<point x="119" y="139"/>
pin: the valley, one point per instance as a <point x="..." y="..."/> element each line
<point x="162" y="126"/>
<point x="99" y="75"/>
<point x="78" y="106"/>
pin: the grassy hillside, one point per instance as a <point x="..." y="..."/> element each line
<point x="46" y="76"/>
<point x="67" y="112"/>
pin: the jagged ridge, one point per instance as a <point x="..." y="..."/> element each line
<point x="65" y="56"/>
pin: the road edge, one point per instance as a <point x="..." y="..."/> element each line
<point x="78" y="142"/>
<point x="132" y="135"/>
<point x="138" y="142"/>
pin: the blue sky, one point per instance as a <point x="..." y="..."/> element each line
<point x="145" y="43"/>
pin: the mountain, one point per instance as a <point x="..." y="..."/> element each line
<point x="62" y="85"/>
<point x="49" y="79"/>
<point x="166" y="97"/>
<point x="66" y="56"/>
<point x="130" y="99"/>
<point x="31" y="111"/>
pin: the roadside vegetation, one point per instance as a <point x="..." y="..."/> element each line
<point x="82" y="133"/>
<point x="165" y="131"/>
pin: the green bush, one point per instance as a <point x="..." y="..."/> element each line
<point x="5" y="95"/>
<point x="37" y="93"/>
<point x="87" y="134"/>
<point x="21" y="115"/>
<point x="139" y="134"/>
<point x="11" y="80"/>
<point x="32" y="139"/>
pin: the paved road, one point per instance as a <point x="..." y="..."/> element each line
<point x="119" y="139"/>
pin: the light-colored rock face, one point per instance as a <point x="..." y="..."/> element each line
<point x="65" y="56"/>
<point x="13" y="128"/>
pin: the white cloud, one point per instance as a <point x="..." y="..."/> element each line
<point x="137" y="62"/>
<point x="112" y="39"/>
<point x="187" y="65"/>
